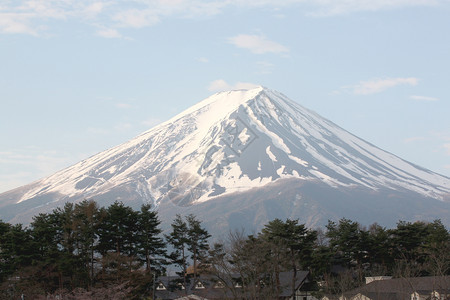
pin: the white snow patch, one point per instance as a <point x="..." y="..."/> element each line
<point x="298" y="160"/>
<point x="270" y="154"/>
<point x="327" y="179"/>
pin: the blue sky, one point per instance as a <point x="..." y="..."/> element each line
<point x="78" y="77"/>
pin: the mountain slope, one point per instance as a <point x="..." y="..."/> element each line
<point x="240" y="143"/>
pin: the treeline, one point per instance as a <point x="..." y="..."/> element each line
<point x="110" y="250"/>
<point x="337" y="258"/>
<point x="83" y="251"/>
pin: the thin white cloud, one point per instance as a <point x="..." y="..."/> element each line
<point x="203" y="60"/>
<point x="136" y="18"/>
<point x="414" y="139"/>
<point x="380" y="85"/>
<point x="97" y="131"/>
<point x="336" y="7"/>
<point x="16" y="24"/>
<point x="152" y="122"/>
<point x="324" y="8"/>
<point x="94" y="9"/>
<point x="423" y="98"/>
<point x="257" y="44"/>
<point x="123" y="105"/>
<point x="244" y="86"/>
<point x="109" y="33"/>
<point x="265" y="67"/>
<point x="447" y="148"/>
<point x="14" y="180"/>
<point x="218" y="85"/>
<point x="444" y="139"/>
<point x="123" y="127"/>
<point x="45" y="8"/>
<point x="221" y="85"/>
<point x="33" y="16"/>
<point x="376" y="85"/>
<point x="26" y="165"/>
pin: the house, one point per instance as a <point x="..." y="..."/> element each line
<point x="191" y="297"/>
<point x="414" y="288"/>
<point x="209" y="286"/>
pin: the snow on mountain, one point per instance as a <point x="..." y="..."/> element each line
<point x="227" y="145"/>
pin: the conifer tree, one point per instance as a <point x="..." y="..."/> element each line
<point x="118" y="238"/>
<point x="291" y="246"/>
<point x="178" y="239"/>
<point x="47" y="232"/>
<point x="151" y="246"/>
<point x="348" y="241"/>
<point x="87" y="219"/>
<point x="197" y="240"/>
<point x="117" y="232"/>
<point x="16" y="249"/>
<point x="6" y="267"/>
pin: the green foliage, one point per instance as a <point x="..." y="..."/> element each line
<point x="188" y="236"/>
<point x="81" y="246"/>
<point x="379" y="243"/>
<point x="348" y="241"/>
<point x="16" y="249"/>
<point x="294" y="240"/>
<point x="118" y="231"/>
<point x="83" y="249"/>
<point x="197" y="242"/>
<point x="178" y="239"/>
<point x="86" y="221"/>
<point x="150" y="245"/>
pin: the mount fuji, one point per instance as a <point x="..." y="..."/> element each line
<point x="239" y="159"/>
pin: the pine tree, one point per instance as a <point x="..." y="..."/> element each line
<point x="87" y="219"/>
<point x="117" y="232"/>
<point x="151" y="246"/>
<point x="197" y="240"/>
<point x="16" y="249"/>
<point x="118" y="239"/>
<point x="178" y="239"/>
<point x="379" y="245"/>
<point x="6" y="267"/>
<point x="47" y="232"/>
<point x="409" y="239"/>
<point x="291" y="246"/>
<point x="348" y="241"/>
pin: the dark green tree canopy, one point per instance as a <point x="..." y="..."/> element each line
<point x="83" y="246"/>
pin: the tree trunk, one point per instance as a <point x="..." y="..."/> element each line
<point x="194" y="250"/>
<point x="184" y="271"/>
<point x="294" y="277"/>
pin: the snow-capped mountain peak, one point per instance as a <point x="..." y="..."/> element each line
<point x="231" y="143"/>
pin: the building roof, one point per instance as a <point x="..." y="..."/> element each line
<point x="402" y="288"/>
<point x="191" y="297"/>
<point x="211" y="287"/>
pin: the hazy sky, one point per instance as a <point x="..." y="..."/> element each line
<point x="78" y="77"/>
